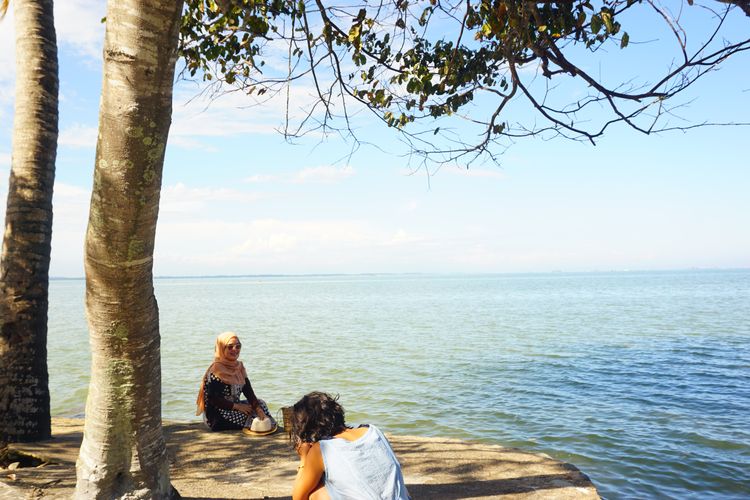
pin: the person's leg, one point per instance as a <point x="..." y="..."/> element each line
<point x="221" y="424"/>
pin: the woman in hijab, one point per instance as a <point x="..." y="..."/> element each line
<point x="223" y="383"/>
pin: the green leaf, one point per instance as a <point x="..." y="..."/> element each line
<point x="354" y="33"/>
<point x="596" y="23"/>
<point x="624" y="41"/>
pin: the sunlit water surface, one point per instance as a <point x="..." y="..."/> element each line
<point x="642" y="380"/>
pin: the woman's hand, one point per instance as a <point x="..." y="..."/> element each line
<point x="245" y="408"/>
<point x="249" y="409"/>
<point x="259" y="411"/>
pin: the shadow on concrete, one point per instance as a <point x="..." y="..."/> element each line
<point x="222" y="465"/>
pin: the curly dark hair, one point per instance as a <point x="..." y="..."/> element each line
<point x="316" y="416"/>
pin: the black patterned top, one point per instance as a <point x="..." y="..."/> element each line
<point x="220" y="399"/>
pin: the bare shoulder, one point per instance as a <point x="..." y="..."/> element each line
<point x="353" y="434"/>
<point x="315" y="454"/>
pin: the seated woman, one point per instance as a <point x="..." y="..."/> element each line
<point x="224" y="381"/>
<point x="341" y="462"/>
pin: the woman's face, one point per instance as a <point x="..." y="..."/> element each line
<point x="232" y="349"/>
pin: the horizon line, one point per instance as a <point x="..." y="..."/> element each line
<point x="421" y="273"/>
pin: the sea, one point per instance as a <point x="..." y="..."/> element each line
<point x="639" y="379"/>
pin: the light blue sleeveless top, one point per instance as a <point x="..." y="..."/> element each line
<point x="363" y="469"/>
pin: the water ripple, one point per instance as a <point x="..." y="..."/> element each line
<point x="640" y="379"/>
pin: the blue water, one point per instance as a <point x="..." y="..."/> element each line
<point x="640" y="379"/>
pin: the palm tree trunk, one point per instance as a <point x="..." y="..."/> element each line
<point x="24" y="265"/>
<point x="123" y="451"/>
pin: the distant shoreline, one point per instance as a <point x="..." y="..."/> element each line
<point x="439" y="273"/>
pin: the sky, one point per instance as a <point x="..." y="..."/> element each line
<point x="238" y="199"/>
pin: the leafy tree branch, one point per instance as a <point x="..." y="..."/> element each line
<point x="501" y="65"/>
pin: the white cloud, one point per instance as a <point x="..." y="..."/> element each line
<point x="190" y="143"/>
<point x="71" y="193"/>
<point x="471" y="172"/>
<point x="309" y="175"/>
<point x="7" y="61"/>
<point x="78" y="136"/>
<point x="261" y="178"/>
<point x="210" y="231"/>
<point x="4" y="160"/>
<point x="78" y="25"/>
<point x="402" y="237"/>
<point x="78" y="28"/>
<point x="325" y="175"/>
<point x="231" y="113"/>
<point x="180" y="198"/>
<point x="410" y="205"/>
<point x="274" y="245"/>
<point x="71" y="207"/>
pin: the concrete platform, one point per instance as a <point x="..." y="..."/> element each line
<point x="213" y="466"/>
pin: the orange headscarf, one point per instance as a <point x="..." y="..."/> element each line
<point x="228" y="371"/>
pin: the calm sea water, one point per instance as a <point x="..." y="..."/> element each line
<point x="642" y="380"/>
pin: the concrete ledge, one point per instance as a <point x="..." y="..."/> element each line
<point x="206" y="465"/>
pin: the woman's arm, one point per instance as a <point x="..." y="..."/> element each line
<point x="309" y="472"/>
<point x="247" y="390"/>
<point x="214" y="395"/>
<point x="252" y="399"/>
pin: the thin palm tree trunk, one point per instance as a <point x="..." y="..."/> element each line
<point x="24" y="266"/>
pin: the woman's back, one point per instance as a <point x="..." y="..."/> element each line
<point x="364" y="468"/>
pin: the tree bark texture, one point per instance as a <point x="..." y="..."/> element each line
<point x="123" y="454"/>
<point x="24" y="265"/>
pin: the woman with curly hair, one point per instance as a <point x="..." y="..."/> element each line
<point x="338" y="461"/>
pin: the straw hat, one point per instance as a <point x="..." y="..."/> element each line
<point x="261" y="427"/>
